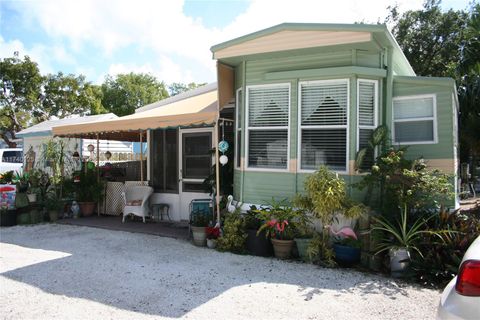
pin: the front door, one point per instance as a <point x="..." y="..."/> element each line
<point x="195" y="164"/>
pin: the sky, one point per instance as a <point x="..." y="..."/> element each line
<point x="169" y="39"/>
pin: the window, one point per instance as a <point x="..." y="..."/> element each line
<point x="197" y="160"/>
<point x="238" y="147"/>
<point x="324" y="124"/>
<point x="164" y="160"/>
<point x="367" y="107"/>
<point x="267" y="126"/>
<point x="414" y="120"/>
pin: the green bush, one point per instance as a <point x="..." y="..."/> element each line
<point x="234" y="234"/>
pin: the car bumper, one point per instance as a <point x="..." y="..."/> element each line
<point x="454" y="306"/>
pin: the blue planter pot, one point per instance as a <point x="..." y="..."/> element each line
<point x="345" y="255"/>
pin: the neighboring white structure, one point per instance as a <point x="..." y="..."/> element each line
<point x="35" y="136"/>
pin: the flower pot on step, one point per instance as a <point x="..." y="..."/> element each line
<point x="282" y="248"/>
<point x="258" y="245"/>
<point x="199" y="236"/>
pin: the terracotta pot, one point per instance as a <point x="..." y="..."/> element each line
<point x="87" y="208"/>
<point x="282" y="248"/>
<point x="199" y="236"/>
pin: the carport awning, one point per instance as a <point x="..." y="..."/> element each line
<point x="194" y="111"/>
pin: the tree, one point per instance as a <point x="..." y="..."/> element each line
<point x="65" y="95"/>
<point x="21" y="83"/>
<point x="430" y="38"/>
<point x="126" y="92"/>
<point x="178" y="87"/>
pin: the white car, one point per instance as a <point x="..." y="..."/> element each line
<point x="11" y="160"/>
<point x="461" y="297"/>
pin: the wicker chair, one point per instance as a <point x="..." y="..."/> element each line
<point x="135" y="199"/>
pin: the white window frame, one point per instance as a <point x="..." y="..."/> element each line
<point x="300" y="126"/>
<point x="248" y="128"/>
<point x="238" y="129"/>
<point x="434" y="118"/>
<point x="375" y="111"/>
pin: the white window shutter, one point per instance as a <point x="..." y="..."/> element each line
<point x="323" y="125"/>
<point x="268" y="120"/>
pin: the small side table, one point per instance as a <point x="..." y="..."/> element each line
<point x="161" y="209"/>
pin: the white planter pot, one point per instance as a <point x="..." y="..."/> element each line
<point x="212" y="243"/>
<point x="32" y="197"/>
<point x="399" y="261"/>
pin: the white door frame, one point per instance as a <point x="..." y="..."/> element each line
<point x="186" y="197"/>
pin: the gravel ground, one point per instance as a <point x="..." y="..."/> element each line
<point x="67" y="272"/>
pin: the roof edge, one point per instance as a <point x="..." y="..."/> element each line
<point x="299" y="26"/>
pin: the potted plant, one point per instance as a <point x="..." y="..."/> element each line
<point x="89" y="191"/>
<point x="22" y="181"/>
<point x="303" y="237"/>
<point x="53" y="205"/>
<point x="234" y="235"/>
<point x="199" y="229"/>
<point x="326" y="198"/>
<point x="279" y="227"/>
<point x="212" y="235"/>
<point x="346" y="247"/>
<point x="400" y="239"/>
<point x="257" y="244"/>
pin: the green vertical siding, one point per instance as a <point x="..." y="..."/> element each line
<point x="444" y="148"/>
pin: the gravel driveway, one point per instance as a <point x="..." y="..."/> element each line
<point x="67" y="272"/>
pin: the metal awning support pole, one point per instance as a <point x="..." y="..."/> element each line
<point x="141" y="156"/>
<point x="98" y="171"/>
<point x="217" y="174"/>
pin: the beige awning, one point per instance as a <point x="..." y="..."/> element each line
<point x="193" y="111"/>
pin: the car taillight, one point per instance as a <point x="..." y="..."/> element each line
<point x="468" y="279"/>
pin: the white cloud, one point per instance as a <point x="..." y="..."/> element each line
<point x="165" y="69"/>
<point x="161" y="26"/>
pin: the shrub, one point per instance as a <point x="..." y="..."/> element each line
<point x="441" y="258"/>
<point x="234" y="234"/>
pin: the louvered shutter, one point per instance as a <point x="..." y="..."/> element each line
<point x="324" y="118"/>
<point x="268" y="112"/>
<point x="238" y="148"/>
<point x="367" y="104"/>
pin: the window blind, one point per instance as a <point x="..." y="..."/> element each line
<point x="268" y="106"/>
<point x="268" y="119"/>
<point x="366" y="103"/>
<point x="324" y="104"/>
<point x="323" y="126"/>
<point x="414" y="119"/>
<point x="238" y="147"/>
